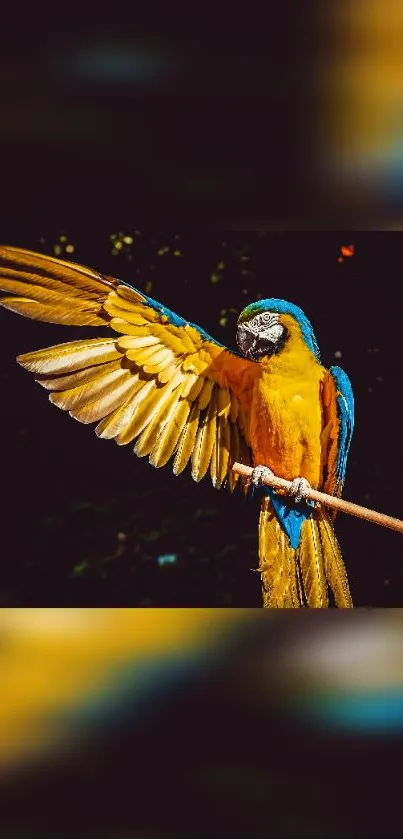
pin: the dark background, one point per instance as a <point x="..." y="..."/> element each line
<point x="170" y="116"/>
<point x="84" y="521"/>
<point x="230" y="119"/>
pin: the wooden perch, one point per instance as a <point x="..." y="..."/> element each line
<point x="329" y="500"/>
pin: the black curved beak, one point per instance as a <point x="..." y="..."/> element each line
<point x="246" y="341"/>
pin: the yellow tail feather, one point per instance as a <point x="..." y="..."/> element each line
<point x="277" y="563"/>
<point x="301" y="578"/>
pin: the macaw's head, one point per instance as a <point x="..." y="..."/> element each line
<point x="266" y="326"/>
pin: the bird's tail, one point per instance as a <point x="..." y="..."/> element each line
<point x="302" y="577"/>
<point x="52" y="290"/>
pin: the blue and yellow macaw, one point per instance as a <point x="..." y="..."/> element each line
<point x="169" y="386"/>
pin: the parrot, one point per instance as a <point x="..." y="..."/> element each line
<point x="165" y="385"/>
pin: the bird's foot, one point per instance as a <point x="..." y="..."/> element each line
<point x="259" y="473"/>
<point x="299" y="489"/>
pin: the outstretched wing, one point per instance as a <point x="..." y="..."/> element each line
<point x="163" y="382"/>
<point x="338" y="413"/>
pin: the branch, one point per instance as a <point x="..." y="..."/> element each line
<point x="329" y="500"/>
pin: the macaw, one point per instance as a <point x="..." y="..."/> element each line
<point x="177" y="392"/>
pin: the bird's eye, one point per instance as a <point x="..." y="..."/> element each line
<point x="266" y="317"/>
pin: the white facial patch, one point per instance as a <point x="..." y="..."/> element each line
<point x="266" y="325"/>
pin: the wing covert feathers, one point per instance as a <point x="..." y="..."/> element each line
<point x="302" y="577"/>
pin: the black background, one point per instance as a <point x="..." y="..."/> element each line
<point x="68" y="495"/>
<point x="169" y="116"/>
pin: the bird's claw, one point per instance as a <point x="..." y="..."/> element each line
<point x="299" y="486"/>
<point x="299" y="489"/>
<point x="259" y="473"/>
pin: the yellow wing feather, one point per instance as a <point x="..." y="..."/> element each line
<point x="64" y="358"/>
<point x="167" y="440"/>
<point x="149" y="436"/>
<point x="160" y="382"/>
<point x="79" y="377"/>
<point x="187" y="440"/>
